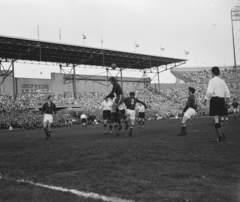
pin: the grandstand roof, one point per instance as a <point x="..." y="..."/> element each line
<point x="65" y="54"/>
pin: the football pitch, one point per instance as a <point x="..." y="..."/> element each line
<point x="86" y="165"/>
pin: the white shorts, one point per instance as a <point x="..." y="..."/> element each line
<point x="190" y="113"/>
<point x="48" y="117"/>
<point x="235" y="110"/>
<point x="130" y="113"/>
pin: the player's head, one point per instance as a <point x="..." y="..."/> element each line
<point x="112" y="80"/>
<point x="191" y="90"/>
<point x="49" y="98"/>
<point x="132" y="94"/>
<point x="215" y="71"/>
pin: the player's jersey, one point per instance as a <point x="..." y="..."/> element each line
<point x="49" y="109"/>
<point x="141" y="109"/>
<point x="130" y="102"/>
<point x="83" y="116"/>
<point x="235" y="104"/>
<point x="120" y="106"/>
<point x="192" y="103"/>
<point x="107" y="106"/>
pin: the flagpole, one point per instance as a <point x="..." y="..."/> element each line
<point x="39" y="44"/>
<point x="83" y="37"/>
<point x="101" y="42"/>
<point x="60" y="35"/>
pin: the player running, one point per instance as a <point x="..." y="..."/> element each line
<point x="189" y="110"/>
<point x="130" y="103"/>
<point x="107" y="112"/>
<point x="235" y="107"/>
<point x="48" y="109"/>
<point x="141" y="115"/>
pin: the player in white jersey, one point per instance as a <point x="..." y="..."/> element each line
<point x="83" y="118"/>
<point x="107" y="112"/>
<point x="141" y="115"/>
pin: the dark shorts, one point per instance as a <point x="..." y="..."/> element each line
<point x="217" y="106"/>
<point x="141" y="115"/>
<point x="84" y="120"/>
<point x="115" y="117"/>
<point x="226" y="112"/>
<point x="107" y="115"/>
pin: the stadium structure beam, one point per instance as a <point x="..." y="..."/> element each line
<point x="235" y="16"/>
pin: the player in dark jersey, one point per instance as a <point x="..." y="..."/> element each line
<point x="117" y="90"/>
<point x="189" y="110"/>
<point x="130" y="103"/>
<point x="48" y="109"/>
<point x="235" y="108"/>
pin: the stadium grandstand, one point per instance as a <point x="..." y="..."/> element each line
<point x="75" y="93"/>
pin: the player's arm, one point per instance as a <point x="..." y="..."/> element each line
<point x="43" y="108"/>
<point x="187" y="104"/>
<point x="54" y="109"/>
<point x="111" y="95"/>
<point x="143" y="103"/>
<point x="209" y="92"/>
<point x="123" y="101"/>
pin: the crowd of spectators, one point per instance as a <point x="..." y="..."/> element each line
<point x="164" y="104"/>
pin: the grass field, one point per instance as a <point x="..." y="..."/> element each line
<point x="153" y="165"/>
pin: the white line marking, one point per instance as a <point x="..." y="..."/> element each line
<point x="76" y="192"/>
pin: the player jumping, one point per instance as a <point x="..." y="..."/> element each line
<point x="119" y="97"/>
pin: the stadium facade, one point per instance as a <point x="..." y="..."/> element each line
<point x="58" y="84"/>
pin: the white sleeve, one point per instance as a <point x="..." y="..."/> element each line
<point x="209" y="90"/>
<point x="226" y="90"/>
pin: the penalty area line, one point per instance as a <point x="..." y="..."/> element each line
<point x="74" y="191"/>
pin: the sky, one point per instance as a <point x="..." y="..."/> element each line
<point x="201" y="27"/>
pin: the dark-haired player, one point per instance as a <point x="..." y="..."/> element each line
<point x="235" y="107"/>
<point x="189" y="110"/>
<point x="218" y="93"/>
<point x="130" y="103"/>
<point x="117" y="90"/>
<point x="48" y="109"/>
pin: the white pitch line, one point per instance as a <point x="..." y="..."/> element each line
<point x="76" y="192"/>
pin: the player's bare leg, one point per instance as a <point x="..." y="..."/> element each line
<point x="110" y="128"/>
<point x="105" y="126"/>
<point x="222" y="130"/>
<point x="183" y="126"/>
<point x="131" y="127"/>
<point x="143" y="122"/>
<point x="218" y="129"/>
<point x="49" y="130"/>
<point x="140" y="122"/>
<point x="116" y="130"/>
<point x="45" y="128"/>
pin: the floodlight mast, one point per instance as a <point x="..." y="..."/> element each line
<point x="235" y="16"/>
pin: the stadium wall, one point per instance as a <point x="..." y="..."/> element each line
<point x="56" y="84"/>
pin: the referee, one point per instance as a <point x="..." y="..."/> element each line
<point x="48" y="109"/>
<point x="217" y="92"/>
